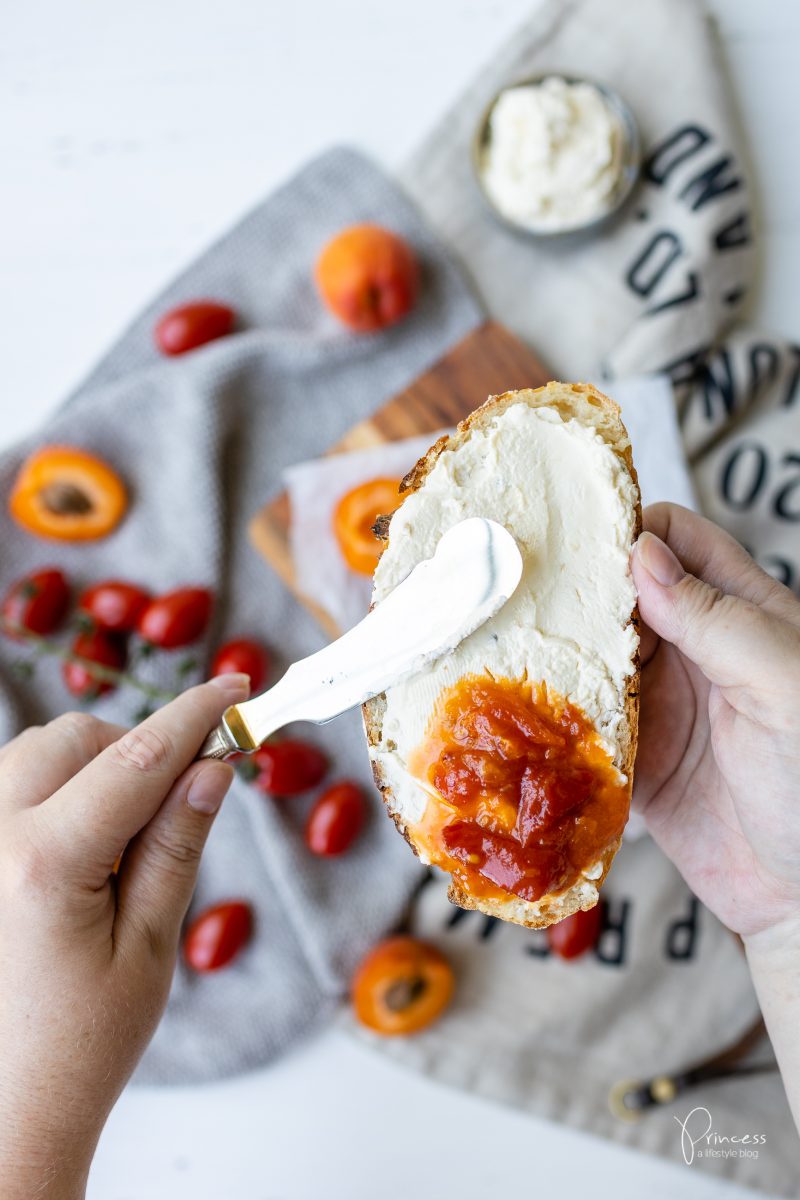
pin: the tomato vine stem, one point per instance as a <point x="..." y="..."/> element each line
<point x="47" y="647"/>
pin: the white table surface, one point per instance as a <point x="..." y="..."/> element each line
<point x="133" y="134"/>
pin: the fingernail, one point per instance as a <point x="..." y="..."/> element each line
<point x="207" y="789"/>
<point x="236" y="687"/>
<point x="658" y="560"/>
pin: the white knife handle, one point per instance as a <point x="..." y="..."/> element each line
<point x="236" y="734"/>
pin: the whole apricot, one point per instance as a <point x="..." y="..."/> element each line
<point x="368" y="277"/>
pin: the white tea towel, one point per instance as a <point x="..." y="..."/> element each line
<point x="670" y="273"/>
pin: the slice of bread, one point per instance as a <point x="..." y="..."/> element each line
<point x="554" y="466"/>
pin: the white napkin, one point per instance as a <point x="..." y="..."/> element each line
<point x="315" y="488"/>
<point x="648" y="410"/>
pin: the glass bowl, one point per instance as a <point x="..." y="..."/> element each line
<point x="630" y="162"/>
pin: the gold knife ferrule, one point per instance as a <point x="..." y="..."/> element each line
<point x="233" y="735"/>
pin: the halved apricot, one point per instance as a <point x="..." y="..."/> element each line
<point x="65" y="493"/>
<point x="402" y="986"/>
<point x="356" y="513"/>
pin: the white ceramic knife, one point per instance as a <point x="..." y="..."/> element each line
<point x="473" y="572"/>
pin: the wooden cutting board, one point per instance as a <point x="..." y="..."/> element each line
<point x="488" y="361"/>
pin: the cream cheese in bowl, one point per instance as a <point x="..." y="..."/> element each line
<point x="556" y="155"/>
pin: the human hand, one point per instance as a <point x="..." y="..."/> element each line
<point x="87" y="956"/>
<point x="718" y="770"/>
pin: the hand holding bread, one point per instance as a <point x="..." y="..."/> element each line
<point x="718" y="770"/>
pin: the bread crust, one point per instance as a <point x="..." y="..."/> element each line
<point x="586" y="404"/>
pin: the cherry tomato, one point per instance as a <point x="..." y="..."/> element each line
<point x="217" y="935"/>
<point x="38" y="602"/>
<point x="336" y="819"/>
<point x="96" y="647"/>
<point x="176" y="618"/>
<point x="576" y="934"/>
<point x="114" y="605"/>
<point x="191" y="325"/>
<point x="289" y="767"/>
<point x="242" y="656"/>
<point x="402" y="986"/>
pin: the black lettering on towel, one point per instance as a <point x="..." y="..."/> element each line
<point x="744" y="475"/>
<point x="681" y="939"/>
<point x="612" y="943"/>
<point x="714" y="181"/>
<point x="735" y="233"/>
<point x="654" y="261"/>
<point x="675" y="149"/>
<point x="786" y="504"/>
<point x="749" y="473"/>
<point x="488" y="924"/>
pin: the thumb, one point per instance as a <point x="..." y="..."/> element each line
<point x="159" y="869"/>
<point x="733" y="641"/>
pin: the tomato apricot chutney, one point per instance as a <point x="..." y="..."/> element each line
<point x="524" y="794"/>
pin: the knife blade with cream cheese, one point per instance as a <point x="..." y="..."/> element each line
<point x="474" y="569"/>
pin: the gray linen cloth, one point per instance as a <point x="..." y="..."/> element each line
<point x="202" y="441"/>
